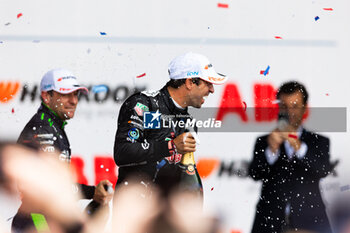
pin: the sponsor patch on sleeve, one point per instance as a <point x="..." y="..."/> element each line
<point x="48" y="149"/>
<point x="133" y="135"/>
<point x="137" y="118"/>
<point x="137" y="125"/>
<point x="145" y="145"/>
<point x="140" y="108"/>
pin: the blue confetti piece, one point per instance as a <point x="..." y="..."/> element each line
<point x="317" y="18"/>
<point x="161" y="164"/>
<point x="103" y="33"/>
<point x="99" y="88"/>
<point x="267" y="70"/>
<point x="344" y="188"/>
<point x="1" y="42"/>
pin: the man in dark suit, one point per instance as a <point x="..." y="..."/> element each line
<point x="290" y="162"/>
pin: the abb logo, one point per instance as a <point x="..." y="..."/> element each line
<point x="265" y="106"/>
<point x="264" y="97"/>
<point x="104" y="168"/>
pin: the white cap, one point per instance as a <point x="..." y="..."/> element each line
<point x="193" y="65"/>
<point x="60" y="80"/>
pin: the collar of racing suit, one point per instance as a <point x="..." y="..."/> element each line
<point x="46" y="109"/>
<point x="172" y="107"/>
<point x="169" y="102"/>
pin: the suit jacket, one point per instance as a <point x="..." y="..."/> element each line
<point x="291" y="183"/>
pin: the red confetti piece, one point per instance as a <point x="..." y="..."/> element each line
<point x="212" y="189"/>
<point x="278" y="37"/>
<point x="222" y="5"/>
<point x="263" y="71"/>
<point x="328" y="9"/>
<point x="13" y="110"/>
<point x="293" y="136"/>
<point x="19" y="15"/>
<point x="327" y="94"/>
<point x="245" y="106"/>
<point x="141" y="75"/>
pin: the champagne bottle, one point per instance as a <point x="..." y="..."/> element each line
<point x="190" y="179"/>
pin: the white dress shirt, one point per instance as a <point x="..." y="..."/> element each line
<point x="272" y="157"/>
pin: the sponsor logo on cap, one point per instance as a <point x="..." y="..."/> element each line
<point x="208" y="66"/>
<point x="65" y="89"/>
<point x="215" y="79"/>
<point x="192" y="73"/>
<point x="47" y="86"/>
<point x="66" y="77"/>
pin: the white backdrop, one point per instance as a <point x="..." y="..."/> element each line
<point x="142" y="36"/>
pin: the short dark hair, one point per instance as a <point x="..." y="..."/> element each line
<point x="175" y="83"/>
<point x="292" y="87"/>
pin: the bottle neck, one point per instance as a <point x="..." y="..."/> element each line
<point x="188" y="158"/>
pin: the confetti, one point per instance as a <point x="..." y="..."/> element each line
<point x="103" y="33"/>
<point x="278" y="37"/>
<point x="88" y="51"/>
<point x="6" y="24"/>
<point x="13" y="110"/>
<point x="222" y="5"/>
<point x="36" y="41"/>
<point x="262" y="72"/>
<point x="99" y="88"/>
<point x="141" y="75"/>
<point x="19" y="15"/>
<point x="212" y="189"/>
<point x="328" y="9"/>
<point x="293" y="136"/>
<point x="245" y="106"/>
<point x="1" y="42"/>
<point x="327" y="94"/>
<point x="265" y="72"/>
<point x="317" y="18"/>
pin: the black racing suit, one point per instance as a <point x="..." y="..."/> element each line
<point x="140" y="151"/>
<point x="45" y="131"/>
